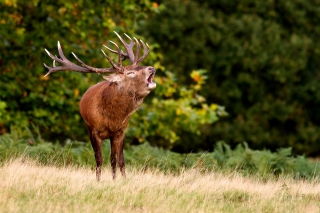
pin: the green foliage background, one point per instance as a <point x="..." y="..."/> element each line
<point x="263" y="62"/>
<point x="259" y="59"/>
<point x="51" y="103"/>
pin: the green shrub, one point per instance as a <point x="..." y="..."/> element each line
<point x="144" y="156"/>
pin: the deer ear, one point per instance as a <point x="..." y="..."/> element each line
<point x="114" y="77"/>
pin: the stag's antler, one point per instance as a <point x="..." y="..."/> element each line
<point x="68" y="65"/>
<point x="133" y="58"/>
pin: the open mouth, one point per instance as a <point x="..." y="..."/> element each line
<point x="150" y="83"/>
<point x="150" y="79"/>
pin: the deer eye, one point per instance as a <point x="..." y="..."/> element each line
<point x="131" y="74"/>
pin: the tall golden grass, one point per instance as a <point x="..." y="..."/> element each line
<point x="27" y="186"/>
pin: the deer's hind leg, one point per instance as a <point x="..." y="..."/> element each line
<point x="116" y="156"/>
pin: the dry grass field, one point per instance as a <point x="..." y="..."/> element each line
<point x="27" y="186"/>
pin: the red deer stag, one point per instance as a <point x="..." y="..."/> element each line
<point x="107" y="106"/>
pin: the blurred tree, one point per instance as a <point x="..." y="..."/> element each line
<point x="26" y="28"/>
<point x="263" y="62"/>
<point x="51" y="103"/>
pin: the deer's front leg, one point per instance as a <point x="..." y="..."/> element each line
<point x="96" y="143"/>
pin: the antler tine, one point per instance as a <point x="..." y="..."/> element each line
<point x="146" y="50"/>
<point x="49" y="68"/>
<point x="54" y="63"/>
<point x="55" y="58"/>
<point x="123" y="54"/>
<point x="128" y="47"/>
<point x="119" y="54"/>
<point x="109" y="59"/>
<point x="137" y="51"/>
<point x="60" y="51"/>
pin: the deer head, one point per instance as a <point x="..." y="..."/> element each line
<point x="123" y="75"/>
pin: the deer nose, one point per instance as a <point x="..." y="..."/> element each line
<point x="151" y="70"/>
